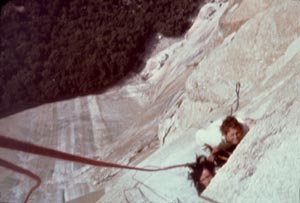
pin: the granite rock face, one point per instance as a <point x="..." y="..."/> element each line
<point x="185" y="85"/>
<point x="258" y="45"/>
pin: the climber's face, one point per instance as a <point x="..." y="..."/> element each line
<point x="206" y="177"/>
<point x="233" y="136"/>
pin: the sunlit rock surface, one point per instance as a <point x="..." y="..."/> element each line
<point x="184" y="87"/>
<point x="260" y="47"/>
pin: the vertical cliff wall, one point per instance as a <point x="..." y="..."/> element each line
<point x="259" y="46"/>
<point x="184" y="87"/>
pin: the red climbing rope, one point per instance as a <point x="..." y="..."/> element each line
<point x="26" y="172"/>
<point x="10" y="143"/>
<point x="14" y="144"/>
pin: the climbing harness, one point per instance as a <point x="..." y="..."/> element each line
<point x="237" y="101"/>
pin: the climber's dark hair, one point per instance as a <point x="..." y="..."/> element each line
<point x="231" y="122"/>
<point x="197" y="169"/>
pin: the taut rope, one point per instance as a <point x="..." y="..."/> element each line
<point x="10" y="143"/>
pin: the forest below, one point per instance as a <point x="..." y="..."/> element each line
<point x="56" y="50"/>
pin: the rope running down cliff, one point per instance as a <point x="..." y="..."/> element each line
<point x="13" y="144"/>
